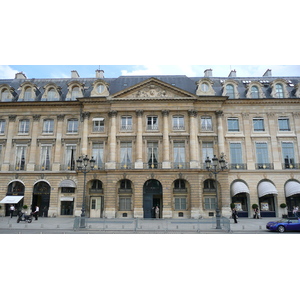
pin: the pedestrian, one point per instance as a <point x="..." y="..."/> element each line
<point x="296" y="211"/>
<point x="234" y="215"/>
<point x="153" y="212"/>
<point x="36" y="213"/>
<point x="256" y="213"/>
<point x="156" y="212"/>
<point x="11" y="210"/>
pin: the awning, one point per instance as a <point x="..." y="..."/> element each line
<point x="67" y="183"/>
<point x="266" y="188"/>
<point x="66" y="199"/>
<point x="11" y="199"/>
<point x="292" y="188"/>
<point x="239" y="187"/>
<point x="98" y="119"/>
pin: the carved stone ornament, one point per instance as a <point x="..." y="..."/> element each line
<point x="152" y="91"/>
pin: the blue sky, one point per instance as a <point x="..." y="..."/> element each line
<point x="112" y="71"/>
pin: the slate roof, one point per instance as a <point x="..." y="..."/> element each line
<point x="120" y="83"/>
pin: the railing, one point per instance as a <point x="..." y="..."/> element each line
<point x="264" y="166"/>
<point x="96" y="191"/>
<point x="180" y="165"/>
<point x="152" y="165"/>
<point x="42" y="168"/>
<point x="238" y="166"/>
<point x="17" y="167"/>
<point x="290" y="166"/>
<point x="124" y="166"/>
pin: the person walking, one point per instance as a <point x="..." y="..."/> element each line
<point x="11" y="210"/>
<point x="36" y="213"/>
<point x="234" y="215"/>
<point x="156" y="212"/>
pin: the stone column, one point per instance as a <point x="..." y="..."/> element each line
<point x="248" y="143"/>
<point x="85" y="119"/>
<point x="111" y="164"/>
<point x="194" y="150"/>
<point x="33" y="153"/>
<point x="8" y="146"/>
<point x="57" y="151"/>
<point x="166" y="164"/>
<point x="297" y="131"/>
<point x="274" y="154"/>
<point x="221" y="146"/>
<point x="139" y="140"/>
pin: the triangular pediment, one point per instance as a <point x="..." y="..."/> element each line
<point x="152" y="88"/>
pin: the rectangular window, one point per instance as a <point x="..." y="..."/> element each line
<point x="152" y="155"/>
<point x="258" y="124"/>
<point x="48" y="126"/>
<point x="210" y="203"/>
<point x="24" y="126"/>
<point x="288" y="155"/>
<point x="70" y="157"/>
<point x="2" y="126"/>
<point x="178" y="123"/>
<point x="126" y="123"/>
<point x="152" y="123"/>
<point x="126" y="155"/>
<point x="284" y="124"/>
<point x="98" y="155"/>
<point x="262" y="156"/>
<point x="180" y="203"/>
<point x="206" y="124"/>
<point x="233" y="124"/>
<point x="73" y="126"/>
<point x="179" y="154"/>
<point x="98" y="125"/>
<point x="125" y="203"/>
<point x="20" y="157"/>
<point x="45" y="157"/>
<point x="207" y="150"/>
<point x="236" y="153"/>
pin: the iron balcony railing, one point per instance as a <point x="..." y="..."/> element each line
<point x="238" y="166"/>
<point x="264" y="166"/>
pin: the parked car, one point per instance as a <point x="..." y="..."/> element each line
<point x="285" y="224"/>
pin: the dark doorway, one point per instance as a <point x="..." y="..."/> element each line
<point x="15" y="188"/>
<point x="152" y="197"/>
<point x="41" y="198"/>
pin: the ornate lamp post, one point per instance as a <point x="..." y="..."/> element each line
<point x="84" y="165"/>
<point x="216" y="166"/>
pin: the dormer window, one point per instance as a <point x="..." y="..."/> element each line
<point x="279" y="90"/>
<point x="75" y="93"/>
<point x="100" y="88"/>
<point x="205" y="87"/>
<point x="75" y="90"/>
<point x="5" y="95"/>
<point x="254" y="92"/>
<point x="51" y="94"/>
<point x="27" y="94"/>
<point x="230" y="91"/>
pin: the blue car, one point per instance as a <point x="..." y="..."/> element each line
<point x="287" y="224"/>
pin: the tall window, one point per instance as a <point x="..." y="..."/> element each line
<point x="45" y="157"/>
<point x="206" y="124"/>
<point x="258" y="124"/>
<point x="75" y="93"/>
<point x="288" y="154"/>
<point x="210" y="203"/>
<point x="72" y="126"/>
<point x="152" y="123"/>
<point x="233" y="124"/>
<point x="126" y="155"/>
<point x="179" y="154"/>
<point x="70" y="157"/>
<point x="279" y="90"/>
<point x="2" y="126"/>
<point x="48" y="126"/>
<point x="51" y="94"/>
<point x="230" y="91"/>
<point x="262" y="156"/>
<point x="178" y="123"/>
<point x="98" y="155"/>
<point x="124" y="203"/>
<point x="284" y="124"/>
<point x="152" y="155"/>
<point x="254" y="92"/>
<point x="98" y="125"/>
<point x="27" y="94"/>
<point x="20" y="157"/>
<point x="236" y="156"/>
<point x="207" y="150"/>
<point x="24" y="126"/>
<point x="180" y="203"/>
<point x="126" y="123"/>
<point x="5" y="95"/>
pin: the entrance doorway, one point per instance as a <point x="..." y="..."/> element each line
<point x="152" y="197"/>
<point x="96" y="207"/>
<point x="41" y="198"/>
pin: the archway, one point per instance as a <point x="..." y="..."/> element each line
<point x="239" y="196"/>
<point x="152" y="196"/>
<point x="267" y="193"/>
<point x="14" y="196"/>
<point x="41" y="197"/>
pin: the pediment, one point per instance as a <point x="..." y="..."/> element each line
<point x="152" y="89"/>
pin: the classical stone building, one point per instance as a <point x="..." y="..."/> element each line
<point x="150" y="137"/>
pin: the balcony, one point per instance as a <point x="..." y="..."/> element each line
<point x="264" y="166"/>
<point x="152" y="165"/>
<point x="290" y="166"/>
<point x="46" y="167"/>
<point x="18" y="167"/>
<point x="68" y="167"/>
<point x="238" y="166"/>
<point x="96" y="191"/>
<point x="180" y="165"/>
<point x="126" y="166"/>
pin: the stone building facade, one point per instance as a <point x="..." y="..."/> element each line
<point x="150" y="137"/>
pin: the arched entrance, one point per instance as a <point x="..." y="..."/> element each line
<point x="152" y="196"/>
<point x="41" y="197"/>
<point x="16" y="189"/>
<point x="267" y="193"/>
<point x="239" y="196"/>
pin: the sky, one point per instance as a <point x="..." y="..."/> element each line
<point x="113" y="71"/>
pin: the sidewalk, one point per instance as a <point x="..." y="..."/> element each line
<point x="66" y="224"/>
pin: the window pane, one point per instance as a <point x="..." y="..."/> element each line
<point x="233" y="124"/>
<point x="206" y="124"/>
<point x="236" y="153"/>
<point x="2" y="126"/>
<point x="230" y="91"/>
<point x="98" y="154"/>
<point x="262" y="153"/>
<point x="179" y="152"/>
<point x="288" y="154"/>
<point x="254" y="92"/>
<point x="48" y="126"/>
<point x="207" y="150"/>
<point x="72" y="126"/>
<point x="258" y="124"/>
<point x="284" y="124"/>
<point x="279" y="90"/>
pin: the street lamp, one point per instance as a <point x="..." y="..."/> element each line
<point x="84" y="165"/>
<point x="216" y="166"/>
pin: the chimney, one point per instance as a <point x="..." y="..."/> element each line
<point x="208" y="73"/>
<point x="99" y="74"/>
<point x="232" y="73"/>
<point x="268" y="73"/>
<point x="20" y="75"/>
<point x="74" y="74"/>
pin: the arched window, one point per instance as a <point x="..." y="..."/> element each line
<point x="125" y="184"/>
<point x="51" y="94"/>
<point x="5" y="95"/>
<point x="254" y="92"/>
<point x="75" y="93"/>
<point x="279" y="90"/>
<point x="27" y="94"/>
<point x="179" y="184"/>
<point x="230" y="91"/>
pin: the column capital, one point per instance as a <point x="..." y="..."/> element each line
<point x="219" y="113"/>
<point x="85" y="115"/>
<point x="192" y="112"/>
<point x="60" y="117"/>
<point x="139" y="112"/>
<point x="113" y="113"/>
<point x="36" y="117"/>
<point x="12" y="118"/>
<point x="165" y="112"/>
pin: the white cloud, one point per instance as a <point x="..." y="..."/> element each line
<point x="6" y="72"/>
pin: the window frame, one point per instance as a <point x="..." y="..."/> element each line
<point x="178" y="123"/>
<point x="152" y="123"/>
<point x="126" y="123"/>
<point x="180" y="203"/>
<point x="24" y="125"/>
<point x="2" y="126"/>
<point x="232" y="128"/>
<point x="48" y="128"/>
<point x="72" y="125"/>
<point x="280" y="128"/>
<point x="255" y="122"/>
<point x="204" y="123"/>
